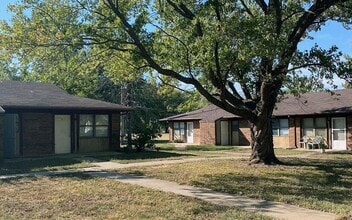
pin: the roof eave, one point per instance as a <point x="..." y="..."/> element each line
<point x="60" y="108"/>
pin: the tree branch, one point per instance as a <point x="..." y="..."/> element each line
<point x="185" y="12"/>
<point x="303" y="23"/>
<point x="246" y="8"/>
<point x="262" y="5"/>
<point x="188" y="60"/>
<point x="276" y="6"/>
<point x="171" y="85"/>
<point x="304" y="66"/>
<point x="182" y="10"/>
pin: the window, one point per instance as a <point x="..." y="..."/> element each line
<point x="179" y="131"/>
<point x="279" y="127"/>
<point x="312" y="127"/>
<point x="93" y="125"/>
<point x="235" y="125"/>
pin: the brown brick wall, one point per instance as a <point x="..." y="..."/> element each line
<point x="207" y="133"/>
<point x="245" y="133"/>
<point x="294" y="132"/>
<point x="349" y="132"/>
<point x="115" y="131"/>
<point x="38" y="134"/>
<point x="196" y="132"/>
<point x="93" y="144"/>
<point x="2" y="137"/>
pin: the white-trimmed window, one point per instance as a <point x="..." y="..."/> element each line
<point x="179" y="131"/>
<point x="280" y="127"/>
<point x="312" y="127"/>
<point x="93" y="125"/>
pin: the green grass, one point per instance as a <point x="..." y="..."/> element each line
<point x="321" y="184"/>
<point x="84" y="197"/>
<point x="26" y="165"/>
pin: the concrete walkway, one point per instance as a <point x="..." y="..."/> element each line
<point x="114" y="166"/>
<point x="273" y="209"/>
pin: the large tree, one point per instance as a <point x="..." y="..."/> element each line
<point x="238" y="54"/>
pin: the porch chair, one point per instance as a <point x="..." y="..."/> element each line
<point x="317" y="141"/>
<point x="304" y="141"/>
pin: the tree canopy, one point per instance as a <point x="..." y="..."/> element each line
<point x="238" y="54"/>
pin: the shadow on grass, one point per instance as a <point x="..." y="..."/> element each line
<point x="36" y="164"/>
<point x="144" y="155"/>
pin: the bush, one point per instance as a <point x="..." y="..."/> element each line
<point x="143" y="137"/>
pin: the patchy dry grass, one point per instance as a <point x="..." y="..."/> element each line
<point x="194" y="151"/>
<point x="312" y="183"/>
<point x="133" y="156"/>
<point x="84" y="197"/>
<point x="40" y="164"/>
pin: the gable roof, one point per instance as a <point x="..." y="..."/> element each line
<point x="34" y="96"/>
<point x="339" y="101"/>
<point x="209" y="113"/>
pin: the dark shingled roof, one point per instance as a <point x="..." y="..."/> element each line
<point x="339" y="101"/>
<point x="209" y="113"/>
<point x="35" y="96"/>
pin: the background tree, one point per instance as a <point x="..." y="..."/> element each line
<point x="237" y="54"/>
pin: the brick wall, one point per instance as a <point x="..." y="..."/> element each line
<point x="294" y="132"/>
<point x="349" y="132"/>
<point x="2" y="137"/>
<point x="196" y="132"/>
<point x="38" y="134"/>
<point x="245" y="133"/>
<point x="115" y="131"/>
<point x="93" y="144"/>
<point x="207" y="133"/>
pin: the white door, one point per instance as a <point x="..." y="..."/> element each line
<point x="338" y="133"/>
<point x="190" y="132"/>
<point x="62" y="134"/>
<point x="224" y="132"/>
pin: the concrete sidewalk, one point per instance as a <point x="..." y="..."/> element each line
<point x="114" y="166"/>
<point x="273" y="209"/>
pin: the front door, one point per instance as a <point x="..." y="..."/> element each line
<point x="12" y="136"/>
<point x="224" y="132"/>
<point x="338" y="133"/>
<point x="190" y="132"/>
<point x="62" y="134"/>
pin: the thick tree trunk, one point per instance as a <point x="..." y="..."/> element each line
<point x="262" y="143"/>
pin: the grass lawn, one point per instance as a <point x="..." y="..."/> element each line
<point x="133" y="156"/>
<point x="194" y="151"/>
<point x="321" y="184"/>
<point x="84" y="197"/>
<point x="26" y="165"/>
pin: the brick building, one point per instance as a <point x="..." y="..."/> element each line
<point x="297" y="121"/>
<point x="41" y="119"/>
